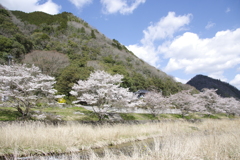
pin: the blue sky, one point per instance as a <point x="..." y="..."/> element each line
<point x="180" y="37"/>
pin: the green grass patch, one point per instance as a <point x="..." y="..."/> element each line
<point x="71" y="113"/>
<point x="211" y="116"/>
<point x="164" y="116"/>
<point x="127" y="116"/>
<point x="190" y="116"/>
<point x="9" y="114"/>
<point x="231" y="116"/>
<point x="138" y="116"/>
<point x="67" y="114"/>
<point x="176" y="115"/>
<point x="149" y="116"/>
<point x="82" y="114"/>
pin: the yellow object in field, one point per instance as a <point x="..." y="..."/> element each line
<point x="61" y="100"/>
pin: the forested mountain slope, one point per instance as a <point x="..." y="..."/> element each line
<point x="223" y="89"/>
<point x="77" y="48"/>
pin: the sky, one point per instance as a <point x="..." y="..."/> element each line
<point x="180" y="37"/>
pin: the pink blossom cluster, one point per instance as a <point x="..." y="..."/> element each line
<point x="207" y="101"/>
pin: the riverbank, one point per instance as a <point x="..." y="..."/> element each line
<point x="209" y="139"/>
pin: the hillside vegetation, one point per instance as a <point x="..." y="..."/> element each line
<point x="223" y="89"/>
<point x="25" y="35"/>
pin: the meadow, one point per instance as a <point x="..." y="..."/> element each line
<point x="209" y="139"/>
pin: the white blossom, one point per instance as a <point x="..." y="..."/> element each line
<point x="155" y="102"/>
<point x="25" y="85"/>
<point x="102" y="90"/>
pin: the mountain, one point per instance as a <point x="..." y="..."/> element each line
<point x="223" y="89"/>
<point x="42" y="39"/>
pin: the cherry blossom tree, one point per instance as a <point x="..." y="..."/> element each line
<point x="24" y="86"/>
<point x="229" y="105"/>
<point x="184" y="101"/>
<point x="198" y="104"/>
<point x="213" y="103"/>
<point x="102" y="91"/>
<point x="210" y="100"/>
<point x="155" y="102"/>
<point x="234" y="106"/>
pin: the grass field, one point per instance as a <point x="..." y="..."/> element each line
<point x="81" y="114"/>
<point x="207" y="140"/>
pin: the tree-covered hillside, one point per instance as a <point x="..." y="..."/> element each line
<point x="223" y="89"/>
<point x="25" y="35"/>
<point x="12" y="40"/>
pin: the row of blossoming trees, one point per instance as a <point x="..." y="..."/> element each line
<point x="207" y="101"/>
<point x="25" y="86"/>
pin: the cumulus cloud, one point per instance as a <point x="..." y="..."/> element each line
<point x="146" y="53"/>
<point x="121" y="6"/>
<point x="236" y="81"/>
<point x="80" y="3"/>
<point x="196" y="55"/>
<point x="32" y="5"/>
<point x="188" y="52"/>
<point x="164" y="28"/>
<point x="210" y="25"/>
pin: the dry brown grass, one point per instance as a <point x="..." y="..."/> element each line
<point x="208" y="140"/>
<point x="30" y="137"/>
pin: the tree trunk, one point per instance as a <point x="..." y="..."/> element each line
<point x="20" y="111"/>
<point x="23" y="113"/>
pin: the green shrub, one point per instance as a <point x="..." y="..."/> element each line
<point x="4" y="12"/>
<point x="149" y="116"/>
<point x="109" y="59"/>
<point x="5" y="44"/>
<point x="93" y="34"/>
<point x="116" y="44"/>
<point x="176" y="115"/>
<point x="9" y="114"/>
<point x="127" y="116"/>
<point x="211" y="116"/>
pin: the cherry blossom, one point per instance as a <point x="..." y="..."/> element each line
<point x="24" y="86"/>
<point x="155" y="102"/>
<point x="102" y="91"/>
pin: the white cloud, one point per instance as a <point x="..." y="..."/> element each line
<point x="228" y="10"/>
<point x="80" y="3"/>
<point x="210" y="25"/>
<point x="32" y="5"/>
<point x="121" y="6"/>
<point x="218" y="75"/>
<point x="181" y="80"/>
<point x="146" y="53"/>
<point x="166" y="27"/>
<point x="188" y="52"/>
<point x="196" y="55"/>
<point x="236" y="81"/>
